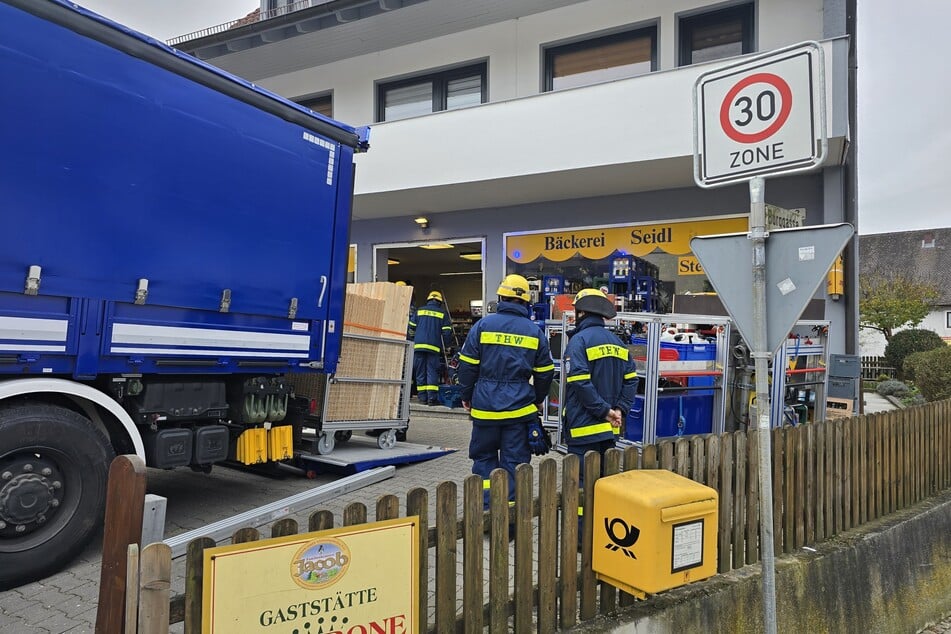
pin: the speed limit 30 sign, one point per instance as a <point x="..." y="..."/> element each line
<point x="760" y="117"/>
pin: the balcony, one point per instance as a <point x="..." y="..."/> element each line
<point x="619" y="137"/>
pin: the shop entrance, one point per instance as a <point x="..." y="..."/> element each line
<point x="453" y="267"/>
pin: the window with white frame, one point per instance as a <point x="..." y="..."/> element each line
<point x="432" y="92"/>
<point x="601" y="59"/>
<point x="717" y="34"/>
<point x="947" y="319"/>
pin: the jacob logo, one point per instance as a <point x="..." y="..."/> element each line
<point x="320" y="563"/>
<point x="622" y="534"/>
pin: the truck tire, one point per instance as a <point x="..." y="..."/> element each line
<point x="53" y="469"/>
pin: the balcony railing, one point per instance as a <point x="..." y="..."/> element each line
<point x="252" y="18"/>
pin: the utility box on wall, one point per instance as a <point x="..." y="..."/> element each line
<point x="653" y="530"/>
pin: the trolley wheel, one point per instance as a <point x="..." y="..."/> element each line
<point x="325" y="443"/>
<point x="343" y="435"/>
<point x="387" y="440"/>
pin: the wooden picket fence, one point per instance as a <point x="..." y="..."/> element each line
<point x="873" y="367"/>
<point x="827" y="477"/>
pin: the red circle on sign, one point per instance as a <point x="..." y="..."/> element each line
<point x="785" y="94"/>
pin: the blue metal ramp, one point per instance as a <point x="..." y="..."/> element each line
<point x="360" y="454"/>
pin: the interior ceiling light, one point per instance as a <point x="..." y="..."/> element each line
<point x="392" y="261"/>
<point x="471" y="256"/>
<point x="436" y="245"/>
<point x="464" y="273"/>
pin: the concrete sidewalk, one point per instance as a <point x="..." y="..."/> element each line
<point x="875" y="402"/>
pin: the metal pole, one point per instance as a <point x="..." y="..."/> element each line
<point x="761" y="357"/>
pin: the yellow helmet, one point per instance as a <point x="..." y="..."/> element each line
<point x="594" y="301"/>
<point x="514" y="286"/>
<point x="400" y="283"/>
<point x="434" y="295"/>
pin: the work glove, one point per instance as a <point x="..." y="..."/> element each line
<point x="538" y="440"/>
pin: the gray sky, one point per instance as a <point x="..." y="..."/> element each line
<point x="904" y="94"/>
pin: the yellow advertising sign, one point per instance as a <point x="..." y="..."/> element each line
<point x="352" y="259"/>
<point x="358" y="579"/>
<point x="689" y="265"/>
<point x="596" y="244"/>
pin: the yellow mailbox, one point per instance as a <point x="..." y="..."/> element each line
<point x="653" y="530"/>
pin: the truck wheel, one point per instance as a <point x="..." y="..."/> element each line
<point x="53" y="469"/>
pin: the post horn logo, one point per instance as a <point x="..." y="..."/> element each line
<point x="320" y="563"/>
<point x="627" y="538"/>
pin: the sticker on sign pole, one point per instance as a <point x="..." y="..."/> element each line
<point x="765" y="116"/>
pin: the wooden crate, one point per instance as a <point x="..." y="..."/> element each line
<point x="379" y="310"/>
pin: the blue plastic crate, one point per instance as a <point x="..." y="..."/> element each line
<point x="450" y="395"/>
<point x="697" y="413"/>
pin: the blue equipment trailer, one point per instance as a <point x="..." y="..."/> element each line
<point x="174" y="242"/>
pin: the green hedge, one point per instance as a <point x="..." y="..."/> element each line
<point x="906" y="342"/>
<point x="933" y="373"/>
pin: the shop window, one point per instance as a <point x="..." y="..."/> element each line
<point x="715" y="35"/>
<point x="433" y="92"/>
<point x="603" y="59"/>
<point x="323" y="104"/>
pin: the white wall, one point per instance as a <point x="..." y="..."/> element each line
<point x="514" y="47"/>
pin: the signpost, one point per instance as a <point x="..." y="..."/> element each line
<point x="761" y="117"/>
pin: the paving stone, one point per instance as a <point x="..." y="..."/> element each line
<point x="58" y="622"/>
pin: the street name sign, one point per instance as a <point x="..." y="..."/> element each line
<point x="764" y="116"/>
<point x="796" y="263"/>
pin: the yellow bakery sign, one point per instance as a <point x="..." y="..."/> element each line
<point x="351" y="580"/>
<point x="596" y="244"/>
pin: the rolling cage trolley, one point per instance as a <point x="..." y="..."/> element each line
<point x="682" y="382"/>
<point x="800" y="375"/>
<point x="369" y="391"/>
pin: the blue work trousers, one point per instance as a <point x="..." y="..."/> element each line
<point x="426" y="366"/>
<point x="495" y="446"/>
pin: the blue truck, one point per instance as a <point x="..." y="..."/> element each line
<point x="173" y="244"/>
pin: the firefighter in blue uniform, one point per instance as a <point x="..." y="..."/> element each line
<point x="505" y="370"/>
<point x="601" y="377"/>
<point x="433" y="333"/>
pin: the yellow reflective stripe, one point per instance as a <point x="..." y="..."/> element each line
<point x="447" y="327"/>
<point x="486" y="485"/>
<point x="427" y="388"/>
<point x="591" y="430"/>
<point x="544" y="368"/>
<point x="580" y="511"/>
<point x="579" y="377"/>
<point x="505" y="339"/>
<point x="425" y="346"/>
<point x="631" y="375"/>
<point x="429" y="313"/>
<point x="412" y="323"/>
<point x="607" y="350"/>
<point x="463" y="357"/>
<point x="486" y="415"/>
<point x="511" y="502"/>
<point x="616" y="430"/>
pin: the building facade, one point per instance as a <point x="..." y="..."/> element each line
<point x="552" y="138"/>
